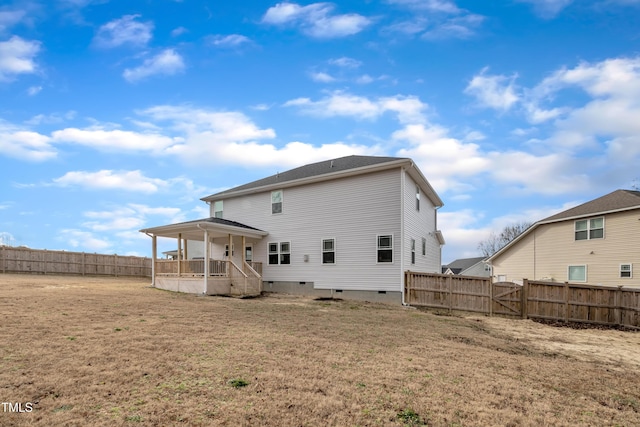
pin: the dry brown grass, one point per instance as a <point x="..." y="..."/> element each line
<point x="93" y="351"/>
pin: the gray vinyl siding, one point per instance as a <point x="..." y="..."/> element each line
<point x="353" y="210"/>
<point x="418" y="225"/>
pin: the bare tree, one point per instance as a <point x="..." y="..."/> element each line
<point x="495" y="242"/>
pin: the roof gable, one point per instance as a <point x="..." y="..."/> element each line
<point x="325" y="167"/>
<point x="464" y="263"/>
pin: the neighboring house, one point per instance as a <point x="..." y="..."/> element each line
<point x="468" y="267"/>
<point x="347" y="227"/>
<point x="597" y="243"/>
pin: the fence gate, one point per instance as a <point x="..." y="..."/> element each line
<point x="507" y="299"/>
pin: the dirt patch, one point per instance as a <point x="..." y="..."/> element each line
<point x="104" y="352"/>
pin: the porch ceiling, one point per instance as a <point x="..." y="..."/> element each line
<point x="194" y="230"/>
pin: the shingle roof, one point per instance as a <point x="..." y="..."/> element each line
<point x="311" y="170"/>
<point x="463" y="263"/>
<point x="615" y="201"/>
<point x="220" y="221"/>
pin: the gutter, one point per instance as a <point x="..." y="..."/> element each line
<point x="402" y="286"/>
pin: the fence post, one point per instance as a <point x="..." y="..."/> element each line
<point x="566" y="302"/>
<point x="115" y="261"/>
<point x="84" y="254"/>
<point x="490" y="297"/>
<point x="618" y="304"/>
<point x="524" y="299"/>
<point x="2" y="258"/>
<point x="450" y="285"/>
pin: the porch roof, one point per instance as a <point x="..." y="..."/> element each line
<point x="194" y="230"/>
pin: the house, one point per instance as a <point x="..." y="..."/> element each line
<point x="468" y="267"/>
<point x="596" y="243"/>
<point x="348" y="227"/>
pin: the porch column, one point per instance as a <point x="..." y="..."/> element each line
<point x="206" y="260"/>
<point x="230" y="247"/>
<point x="179" y="254"/>
<point x="244" y="250"/>
<point x="186" y="249"/>
<point x="154" y="255"/>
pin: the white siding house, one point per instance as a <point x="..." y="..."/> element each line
<point x="347" y="227"/>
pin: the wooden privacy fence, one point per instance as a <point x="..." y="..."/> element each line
<point x="567" y="302"/>
<point x="25" y="260"/>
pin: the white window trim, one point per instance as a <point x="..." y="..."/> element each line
<point x="378" y="248"/>
<point x="322" y="251"/>
<point x="418" y="198"/>
<point x="630" y="270"/>
<point x="269" y="253"/>
<point x="226" y="250"/>
<point x="585" y="273"/>
<point x="280" y="252"/>
<point x="588" y="220"/>
<point x="221" y="209"/>
<point x="281" y="202"/>
<point x="413" y="251"/>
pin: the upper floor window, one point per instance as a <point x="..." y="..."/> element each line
<point x="586" y="229"/>
<point x="417" y="198"/>
<point x="276" y="202"/>
<point x="217" y="209"/>
<point x="626" y="271"/>
<point x="385" y="248"/>
<point x="424" y="246"/>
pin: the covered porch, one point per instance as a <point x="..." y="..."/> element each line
<point x="225" y="272"/>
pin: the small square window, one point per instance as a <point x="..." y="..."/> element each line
<point x="626" y="271"/>
<point x="217" y="209"/>
<point x="577" y="273"/>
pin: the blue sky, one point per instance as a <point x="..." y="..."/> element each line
<point x="120" y="115"/>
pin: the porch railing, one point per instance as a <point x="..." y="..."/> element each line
<point x="195" y="267"/>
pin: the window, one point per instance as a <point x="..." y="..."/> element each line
<point x="217" y="209"/>
<point x="273" y="253"/>
<point x="226" y="250"/>
<point x="385" y="248"/>
<point x="417" y="198"/>
<point x="587" y="229"/>
<point x="248" y="253"/>
<point x="626" y="271"/>
<point x="285" y="253"/>
<point x="329" y="251"/>
<point x="276" y="202"/>
<point x="424" y="246"/>
<point x="279" y="253"/>
<point x="577" y="273"/>
<point x="413" y="251"/>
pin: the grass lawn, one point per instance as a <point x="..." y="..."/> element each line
<point x="99" y="351"/>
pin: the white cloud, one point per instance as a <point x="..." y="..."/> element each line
<point x="230" y="137"/>
<point x="493" y="91"/>
<point x="228" y="41"/>
<point x="321" y="77"/>
<point x="409" y="109"/>
<point x="34" y="90"/>
<point x="548" y="8"/>
<point x="316" y="20"/>
<point x="167" y="62"/>
<point x="345" y="62"/>
<point x="9" y="18"/>
<point x="446" y="159"/>
<point x="112" y="180"/>
<point x="176" y="32"/>
<point x="443" y="6"/>
<point x="123" y="31"/>
<point x="17" y="56"/>
<point x="115" y="140"/>
<point x="25" y="144"/>
<point x="84" y="240"/>
<point x="459" y="27"/>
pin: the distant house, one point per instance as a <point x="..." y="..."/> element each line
<point x="468" y="267"/>
<point x="596" y="243"/>
<point x="347" y="227"/>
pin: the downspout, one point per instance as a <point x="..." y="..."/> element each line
<point x="402" y="175"/>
